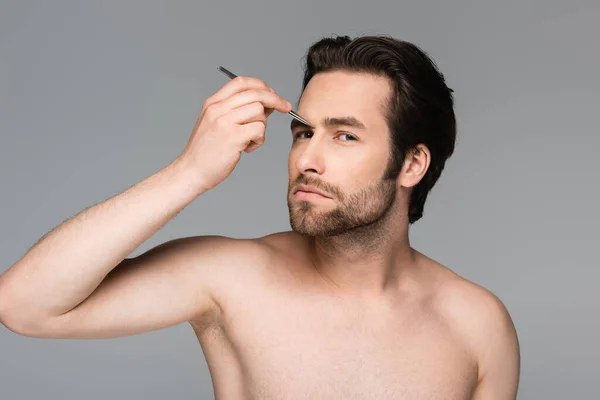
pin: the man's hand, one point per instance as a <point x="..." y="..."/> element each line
<point x="233" y="120"/>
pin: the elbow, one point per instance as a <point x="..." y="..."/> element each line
<point x="23" y="327"/>
<point x="13" y="317"/>
<point x="12" y="322"/>
<point x="17" y="321"/>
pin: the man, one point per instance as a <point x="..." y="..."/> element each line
<point x="341" y="307"/>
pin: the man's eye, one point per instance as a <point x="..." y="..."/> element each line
<point x="303" y="135"/>
<point x="347" y="137"/>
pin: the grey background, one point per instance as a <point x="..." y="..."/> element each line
<point x="96" y="96"/>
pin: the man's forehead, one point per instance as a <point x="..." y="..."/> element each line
<point x="354" y="98"/>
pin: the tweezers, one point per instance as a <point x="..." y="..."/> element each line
<point x="231" y="75"/>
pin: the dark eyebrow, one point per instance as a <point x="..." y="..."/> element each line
<point x="332" y="122"/>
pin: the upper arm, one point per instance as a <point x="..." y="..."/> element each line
<point x="172" y="283"/>
<point x="495" y="345"/>
<point x="498" y="355"/>
<point x="486" y="329"/>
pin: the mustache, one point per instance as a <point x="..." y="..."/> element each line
<point x="312" y="181"/>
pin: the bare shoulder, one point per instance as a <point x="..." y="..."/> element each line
<point x="229" y="259"/>
<point x="483" y="323"/>
<point x="471" y="306"/>
<point x="480" y="312"/>
<point x="228" y="254"/>
<point x="218" y="261"/>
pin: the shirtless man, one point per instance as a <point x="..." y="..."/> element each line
<point x="341" y="307"/>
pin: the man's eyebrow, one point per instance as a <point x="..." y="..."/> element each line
<point x="332" y="122"/>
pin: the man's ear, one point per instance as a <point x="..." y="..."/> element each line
<point x="416" y="163"/>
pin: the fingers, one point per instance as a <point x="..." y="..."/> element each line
<point x="240" y="110"/>
<point x="253" y="146"/>
<point x="237" y="85"/>
<point x="268" y="100"/>
<point x="245" y="90"/>
<point x="254" y="132"/>
<point x="269" y="111"/>
<point x="253" y="112"/>
<point x="252" y="123"/>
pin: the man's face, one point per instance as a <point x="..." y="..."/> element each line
<point x="345" y="156"/>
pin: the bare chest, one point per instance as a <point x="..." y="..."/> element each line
<point x="297" y="347"/>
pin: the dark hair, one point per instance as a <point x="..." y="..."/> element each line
<point x="421" y="110"/>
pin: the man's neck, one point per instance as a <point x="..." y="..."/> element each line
<point x="369" y="260"/>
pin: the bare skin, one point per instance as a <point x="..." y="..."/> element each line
<point x="359" y="314"/>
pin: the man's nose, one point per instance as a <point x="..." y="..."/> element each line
<point x="311" y="160"/>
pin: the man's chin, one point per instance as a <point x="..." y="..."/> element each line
<point x="309" y="227"/>
<point x="307" y="231"/>
<point x="319" y="232"/>
<point x="304" y="224"/>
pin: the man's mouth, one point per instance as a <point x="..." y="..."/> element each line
<point x="305" y="192"/>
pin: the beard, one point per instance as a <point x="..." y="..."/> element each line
<point x="361" y="212"/>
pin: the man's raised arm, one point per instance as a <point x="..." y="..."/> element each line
<point x="77" y="282"/>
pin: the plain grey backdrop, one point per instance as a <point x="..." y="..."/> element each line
<point x="96" y="96"/>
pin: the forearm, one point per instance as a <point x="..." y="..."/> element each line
<point x="66" y="265"/>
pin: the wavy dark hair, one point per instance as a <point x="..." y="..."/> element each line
<point x="420" y="111"/>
